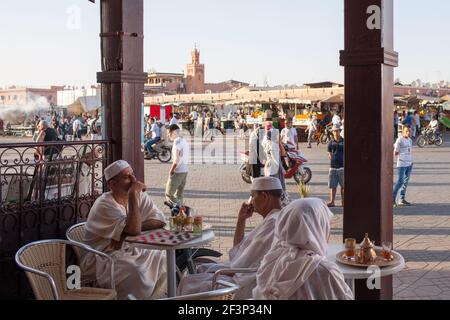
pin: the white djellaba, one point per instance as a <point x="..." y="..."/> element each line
<point x="296" y="268"/>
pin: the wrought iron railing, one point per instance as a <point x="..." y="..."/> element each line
<point x="44" y="189"/>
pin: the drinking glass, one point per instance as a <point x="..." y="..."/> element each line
<point x="350" y="248"/>
<point x="387" y="250"/>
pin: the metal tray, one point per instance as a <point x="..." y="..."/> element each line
<point x="380" y="261"/>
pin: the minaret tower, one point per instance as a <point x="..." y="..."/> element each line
<point x="195" y="74"/>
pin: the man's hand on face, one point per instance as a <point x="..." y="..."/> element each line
<point x="246" y="212"/>
<point x="137" y="186"/>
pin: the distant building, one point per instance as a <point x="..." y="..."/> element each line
<point x="165" y="83"/>
<point x="226" y="86"/>
<point x="326" y="84"/>
<point x="192" y="82"/>
<point x="22" y="96"/>
<point x="416" y="91"/>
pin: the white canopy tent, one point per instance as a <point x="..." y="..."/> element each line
<point x="85" y="104"/>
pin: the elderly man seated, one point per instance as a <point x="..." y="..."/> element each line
<point x="248" y="250"/>
<point x="296" y="267"/>
<point x="125" y="211"/>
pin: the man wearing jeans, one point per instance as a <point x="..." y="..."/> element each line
<point x="336" y="156"/>
<point x="179" y="170"/>
<point x="156" y="137"/>
<point x="403" y="150"/>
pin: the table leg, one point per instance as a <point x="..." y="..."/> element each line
<point x="351" y="284"/>
<point x="171" y="274"/>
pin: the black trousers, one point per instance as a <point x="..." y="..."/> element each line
<point x="256" y="170"/>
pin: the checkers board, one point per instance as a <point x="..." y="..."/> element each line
<point x="163" y="237"/>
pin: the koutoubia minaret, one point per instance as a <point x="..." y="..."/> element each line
<point x="195" y="74"/>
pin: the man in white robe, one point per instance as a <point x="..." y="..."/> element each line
<point x="125" y="211"/>
<point x="248" y="250"/>
<point x="296" y="267"/>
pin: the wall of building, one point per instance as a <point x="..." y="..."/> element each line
<point x="24" y="96"/>
<point x="68" y="96"/>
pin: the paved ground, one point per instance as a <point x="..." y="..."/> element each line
<point x="422" y="232"/>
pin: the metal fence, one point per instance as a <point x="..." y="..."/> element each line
<point x="44" y="189"/>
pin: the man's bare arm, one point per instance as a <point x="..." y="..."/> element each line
<point x="134" y="220"/>
<point x="152" y="224"/>
<point x="245" y="213"/>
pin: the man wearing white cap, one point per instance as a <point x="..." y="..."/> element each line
<point x="125" y="211"/>
<point x="248" y="250"/>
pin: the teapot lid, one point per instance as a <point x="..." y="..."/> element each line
<point x="366" y="243"/>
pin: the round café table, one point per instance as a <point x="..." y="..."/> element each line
<point x="206" y="237"/>
<point x="354" y="273"/>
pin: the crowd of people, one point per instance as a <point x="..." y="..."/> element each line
<point x="415" y="122"/>
<point x="60" y="128"/>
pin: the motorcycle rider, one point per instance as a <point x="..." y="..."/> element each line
<point x="433" y="126"/>
<point x="156" y="137"/>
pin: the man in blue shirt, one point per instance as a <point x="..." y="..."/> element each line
<point x="408" y="120"/>
<point x="156" y="137"/>
<point x="336" y="156"/>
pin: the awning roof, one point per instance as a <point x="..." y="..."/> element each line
<point x="339" y="98"/>
<point x="85" y="104"/>
<point x="294" y="101"/>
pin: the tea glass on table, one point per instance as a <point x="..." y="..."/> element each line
<point x="387" y="250"/>
<point x="172" y="224"/>
<point x="350" y="248"/>
<point x="198" y="224"/>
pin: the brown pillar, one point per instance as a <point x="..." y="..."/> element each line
<point x="369" y="59"/>
<point x="122" y="79"/>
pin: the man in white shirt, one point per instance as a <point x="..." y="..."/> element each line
<point x="336" y="121"/>
<point x="289" y="134"/>
<point x="179" y="170"/>
<point x="193" y="115"/>
<point x="403" y="152"/>
<point x="434" y="125"/>
<point x="156" y="137"/>
<point x="248" y="249"/>
<point x="77" y="129"/>
<point x="174" y="120"/>
<point x="311" y="128"/>
<point x="125" y="211"/>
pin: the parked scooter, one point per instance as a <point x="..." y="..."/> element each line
<point x="188" y="259"/>
<point x="296" y="169"/>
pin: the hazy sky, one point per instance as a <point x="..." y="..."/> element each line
<point x="281" y="41"/>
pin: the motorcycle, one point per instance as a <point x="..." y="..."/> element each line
<point x="427" y="137"/>
<point x="327" y="135"/>
<point x="296" y="169"/>
<point x="188" y="259"/>
<point x="161" y="152"/>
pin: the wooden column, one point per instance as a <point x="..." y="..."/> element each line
<point x="122" y="79"/>
<point x="369" y="59"/>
